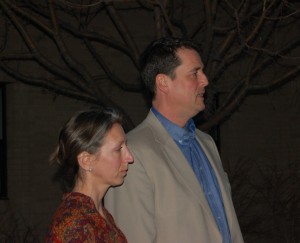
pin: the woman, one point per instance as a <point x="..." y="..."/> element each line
<point x="92" y="156"/>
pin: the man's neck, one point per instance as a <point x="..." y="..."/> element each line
<point x="171" y="115"/>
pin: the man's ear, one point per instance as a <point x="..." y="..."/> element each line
<point x="162" y="83"/>
<point x="84" y="160"/>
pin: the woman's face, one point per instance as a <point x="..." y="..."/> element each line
<point x="110" y="164"/>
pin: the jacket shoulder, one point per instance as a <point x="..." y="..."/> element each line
<point x="142" y="134"/>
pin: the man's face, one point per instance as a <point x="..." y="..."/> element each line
<point x="188" y="86"/>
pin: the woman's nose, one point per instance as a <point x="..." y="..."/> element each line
<point x="129" y="157"/>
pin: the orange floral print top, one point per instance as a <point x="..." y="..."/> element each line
<point x="77" y="220"/>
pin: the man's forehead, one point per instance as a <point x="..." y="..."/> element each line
<point x="195" y="58"/>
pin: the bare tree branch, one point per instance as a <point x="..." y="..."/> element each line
<point x="233" y="35"/>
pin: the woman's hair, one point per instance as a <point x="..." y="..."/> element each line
<point x="85" y="131"/>
<point x="160" y="56"/>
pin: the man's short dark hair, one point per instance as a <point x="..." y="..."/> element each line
<point x="160" y="57"/>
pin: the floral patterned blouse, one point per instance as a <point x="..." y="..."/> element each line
<point x="77" y="220"/>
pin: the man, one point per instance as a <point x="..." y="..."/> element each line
<point x="176" y="190"/>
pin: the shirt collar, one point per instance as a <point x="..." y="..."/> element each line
<point x="182" y="135"/>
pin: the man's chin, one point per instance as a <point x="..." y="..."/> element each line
<point x="200" y="108"/>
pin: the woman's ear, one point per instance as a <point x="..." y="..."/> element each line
<point x="162" y="83"/>
<point x="84" y="160"/>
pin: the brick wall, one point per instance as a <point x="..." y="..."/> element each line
<point x="260" y="151"/>
<point x="33" y="122"/>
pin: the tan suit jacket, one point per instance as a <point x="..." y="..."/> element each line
<point x="161" y="199"/>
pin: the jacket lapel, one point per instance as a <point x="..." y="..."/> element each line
<point x="218" y="169"/>
<point x="178" y="163"/>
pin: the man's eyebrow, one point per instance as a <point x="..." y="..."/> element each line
<point x="196" y="69"/>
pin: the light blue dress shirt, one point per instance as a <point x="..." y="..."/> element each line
<point x="185" y="139"/>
